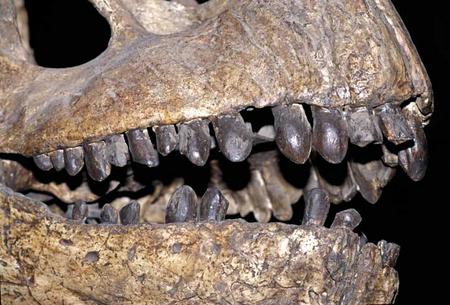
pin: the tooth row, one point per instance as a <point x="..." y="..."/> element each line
<point x="330" y="134"/>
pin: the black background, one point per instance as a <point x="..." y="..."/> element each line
<point x="68" y="33"/>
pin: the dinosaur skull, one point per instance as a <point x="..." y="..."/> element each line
<point x="253" y="89"/>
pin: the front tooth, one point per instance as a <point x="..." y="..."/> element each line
<point x="80" y="211"/>
<point x="117" y="150"/>
<point x="389" y="253"/>
<point x="96" y="160"/>
<point x="347" y="219"/>
<point x="166" y="139"/>
<point x="43" y="162"/>
<point x="129" y="214"/>
<point x="141" y="147"/>
<point x="317" y="206"/>
<point x="362" y="129"/>
<point x="73" y="160"/>
<point x="195" y="141"/>
<point x="414" y="160"/>
<point x="234" y="137"/>
<point x="182" y="206"/>
<point x="393" y="124"/>
<point x="330" y="136"/>
<point x="293" y="132"/>
<point x="109" y="214"/>
<point x="213" y="205"/>
<point x="57" y="158"/>
<point x="370" y="178"/>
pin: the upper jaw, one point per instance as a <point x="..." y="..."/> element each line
<point x="249" y="55"/>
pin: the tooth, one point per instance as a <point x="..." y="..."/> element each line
<point x="348" y="219"/>
<point x="293" y="132"/>
<point x="117" y="150"/>
<point x="80" y="211"/>
<point x="389" y="158"/>
<point x="195" y="141"/>
<point x="393" y="124"/>
<point x="182" y="206"/>
<point x="166" y="139"/>
<point x="389" y="253"/>
<point x="414" y="160"/>
<point x="213" y="206"/>
<point x="317" y="206"/>
<point x="74" y="160"/>
<point x="362" y="128"/>
<point x="260" y="200"/>
<point x="109" y="214"/>
<point x="57" y="158"/>
<point x="96" y="160"/>
<point x="234" y="137"/>
<point x="330" y="138"/>
<point x="129" y="214"/>
<point x="43" y="162"/>
<point x="141" y="147"/>
<point x="370" y="178"/>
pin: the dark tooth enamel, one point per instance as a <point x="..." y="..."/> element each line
<point x="57" y="158"/>
<point x="213" y="205"/>
<point x="182" y="206"/>
<point x="80" y="211"/>
<point x="262" y="206"/>
<point x="370" y="178"/>
<point x="195" y="141"/>
<point x="74" y="160"/>
<point x="389" y="158"/>
<point x="43" y="162"/>
<point x="348" y="219"/>
<point x="234" y="137"/>
<point x="141" y="147"/>
<point x="117" y="150"/>
<point x="389" y="253"/>
<point x="293" y="132"/>
<point x="96" y="160"/>
<point x="330" y="137"/>
<point x="414" y="159"/>
<point x="317" y="206"/>
<point x="166" y="139"/>
<point x="363" y="128"/>
<point x="393" y="124"/>
<point x="109" y="214"/>
<point x="129" y="214"/>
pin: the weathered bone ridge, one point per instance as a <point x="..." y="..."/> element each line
<point x="46" y="259"/>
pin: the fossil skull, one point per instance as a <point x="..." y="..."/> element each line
<point x="339" y="78"/>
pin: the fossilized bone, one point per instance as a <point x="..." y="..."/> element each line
<point x="335" y="74"/>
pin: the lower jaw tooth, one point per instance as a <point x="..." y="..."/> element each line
<point x="389" y="253"/>
<point x="234" y="137"/>
<point x="73" y="160"/>
<point x="109" y="214"/>
<point x="96" y="160"/>
<point x="414" y="160"/>
<point x="347" y="219"/>
<point x="393" y="124"/>
<point x="182" y="206"/>
<point x="43" y="162"/>
<point x="129" y="214"/>
<point x="389" y="158"/>
<point x="117" y="150"/>
<point x="57" y="158"/>
<point x="195" y="141"/>
<point x="317" y="206"/>
<point x="80" y="211"/>
<point x="330" y="137"/>
<point x="213" y="206"/>
<point x="141" y="147"/>
<point x="262" y="206"/>
<point x="166" y="139"/>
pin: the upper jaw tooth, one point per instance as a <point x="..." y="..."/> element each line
<point x="195" y="141"/>
<point x="141" y="147"/>
<point x="96" y="160"/>
<point x="394" y="124"/>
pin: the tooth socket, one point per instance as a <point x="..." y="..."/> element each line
<point x="293" y="132"/>
<point x="330" y="136"/>
<point x="57" y="158"/>
<point x="234" y="137"/>
<point x="389" y="253"/>
<point x="182" y="206"/>
<point x="166" y="139"/>
<point x="317" y="206"/>
<point x="109" y="214"/>
<point x="74" y="160"/>
<point x="363" y="128"/>
<point x="141" y="147"/>
<point x="347" y="219"/>
<point x="96" y="160"/>
<point x="80" y="211"/>
<point x="213" y="206"/>
<point x="195" y="141"/>
<point x="43" y="162"/>
<point x="393" y="124"/>
<point x="117" y="150"/>
<point x="129" y="214"/>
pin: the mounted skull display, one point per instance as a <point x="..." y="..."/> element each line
<point x="251" y="104"/>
